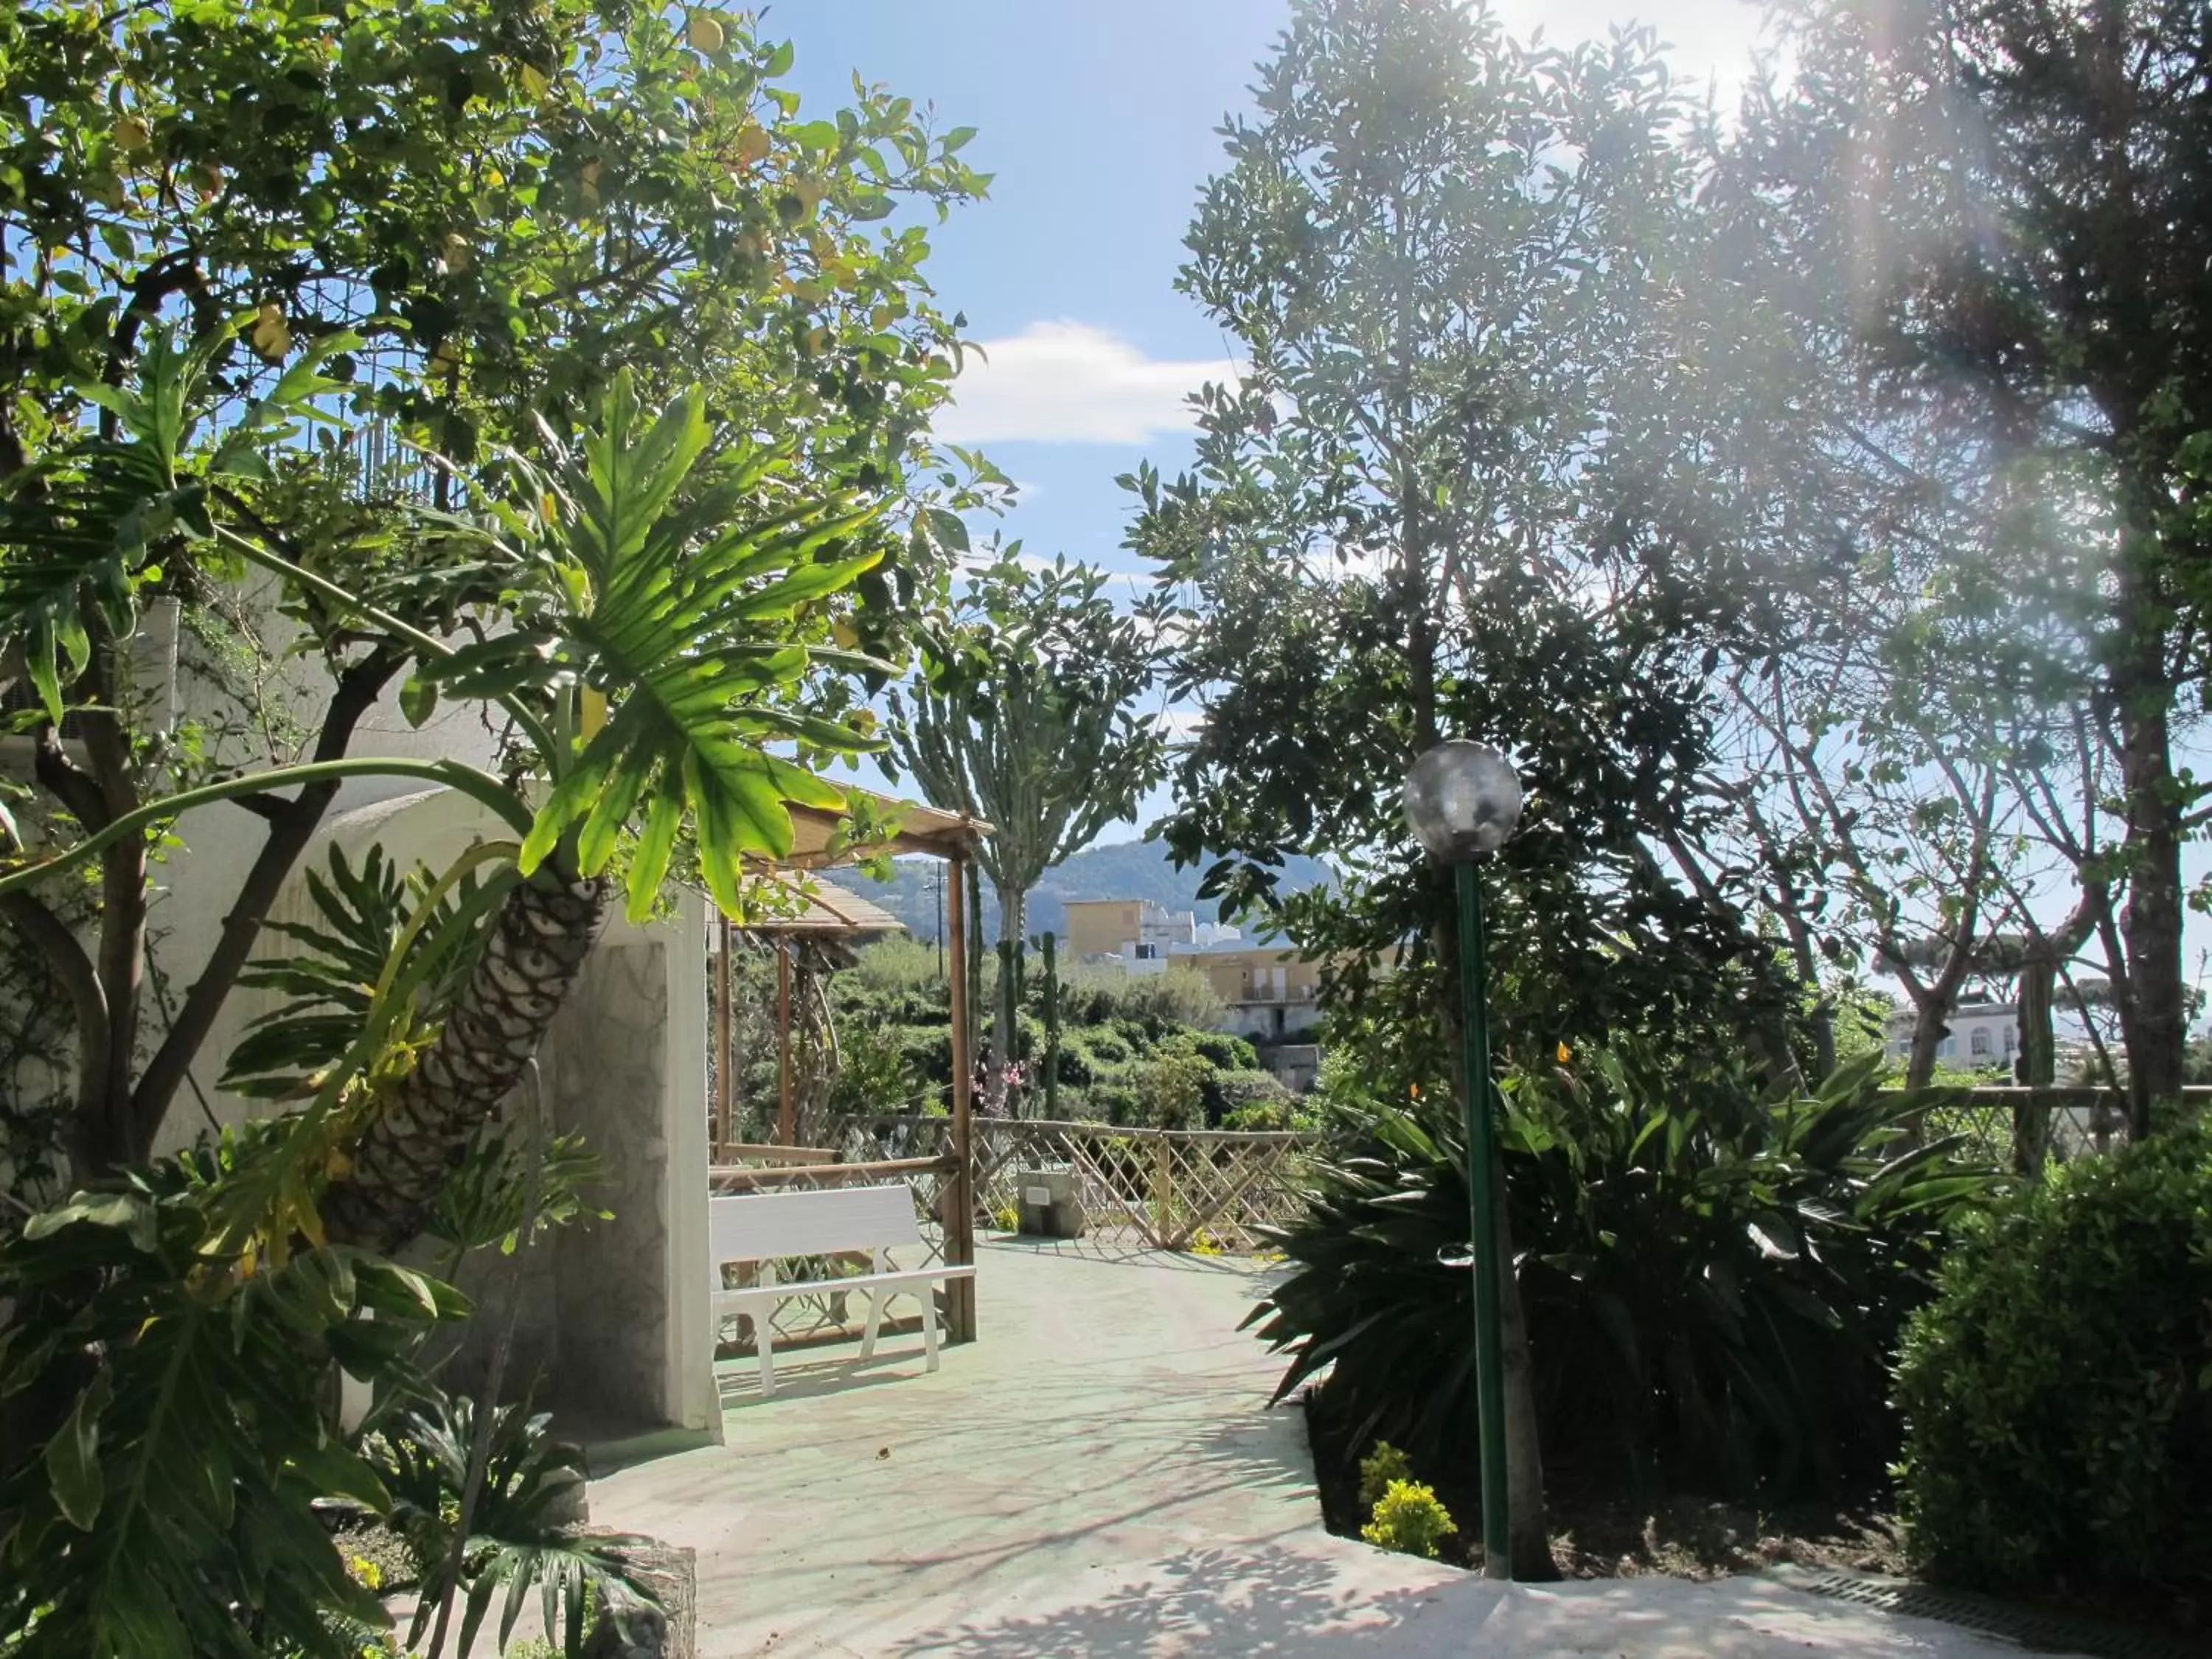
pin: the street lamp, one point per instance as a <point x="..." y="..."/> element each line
<point x="1463" y="801"/>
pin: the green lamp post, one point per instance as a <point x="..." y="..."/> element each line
<point x="1463" y="801"/>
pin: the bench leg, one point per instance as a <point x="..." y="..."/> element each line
<point x="929" y="1324"/>
<point x="876" y="1300"/>
<point x="764" y="1340"/>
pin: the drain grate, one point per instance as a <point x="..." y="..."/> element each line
<point x="2032" y="1627"/>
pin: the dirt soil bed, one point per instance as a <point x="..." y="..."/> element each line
<point x="1602" y="1536"/>
<point x="1599" y="1534"/>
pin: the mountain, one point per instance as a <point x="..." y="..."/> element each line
<point x="1124" y="870"/>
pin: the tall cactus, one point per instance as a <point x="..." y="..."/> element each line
<point x="1025" y="715"/>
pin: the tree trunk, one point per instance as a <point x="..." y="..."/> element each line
<point x="1529" y="1537"/>
<point x="532" y="956"/>
<point x="2037" y="1066"/>
<point x="2157" y="1032"/>
<point x="1012" y="907"/>
<point x="1930" y="1027"/>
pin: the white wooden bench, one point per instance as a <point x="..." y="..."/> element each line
<point x="761" y="1228"/>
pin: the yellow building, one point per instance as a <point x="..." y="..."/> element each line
<point x="1272" y="993"/>
<point x="1099" y="927"/>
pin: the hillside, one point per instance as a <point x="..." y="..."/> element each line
<point x="1131" y="869"/>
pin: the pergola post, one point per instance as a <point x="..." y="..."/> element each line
<point x="724" y="1090"/>
<point x="787" y="1111"/>
<point x="957" y="1210"/>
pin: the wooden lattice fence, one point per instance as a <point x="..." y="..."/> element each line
<point x="1169" y="1189"/>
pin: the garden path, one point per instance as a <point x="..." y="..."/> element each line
<point x="1099" y="1476"/>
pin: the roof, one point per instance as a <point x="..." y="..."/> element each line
<point x="825" y="909"/>
<point x="815" y="834"/>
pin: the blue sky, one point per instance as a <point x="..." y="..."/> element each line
<point x="1098" y="121"/>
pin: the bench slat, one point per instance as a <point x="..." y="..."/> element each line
<point x="784" y="1288"/>
<point x="763" y="1226"/>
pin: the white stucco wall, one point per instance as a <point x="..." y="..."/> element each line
<point x="614" y="1314"/>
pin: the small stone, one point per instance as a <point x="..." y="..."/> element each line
<point x="1866" y="1563"/>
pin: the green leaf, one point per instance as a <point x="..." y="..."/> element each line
<point x="73" y="1467"/>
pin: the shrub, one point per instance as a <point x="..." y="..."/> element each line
<point x="1225" y="1053"/>
<point x="874" y="1073"/>
<point x="927" y="1051"/>
<point x="1247" y="1099"/>
<point x="161" y="1371"/>
<point x="1713" y="1279"/>
<point x="1380" y="1469"/>
<point x="1410" y="1519"/>
<point x="899" y="964"/>
<point x="1170" y="1091"/>
<point x="1153" y="1002"/>
<point x="2057" y="1393"/>
<point x="1104" y="1044"/>
<point x="517" y="1541"/>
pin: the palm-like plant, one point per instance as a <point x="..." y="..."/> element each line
<point x="645" y="594"/>
<point x="1714" y="1277"/>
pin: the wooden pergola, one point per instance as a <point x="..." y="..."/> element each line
<point x="820" y="842"/>
<point x="815" y="914"/>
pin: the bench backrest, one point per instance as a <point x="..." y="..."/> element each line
<point x="760" y="1226"/>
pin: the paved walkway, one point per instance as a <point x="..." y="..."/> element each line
<point x="1097" y="1477"/>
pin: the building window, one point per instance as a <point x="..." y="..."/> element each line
<point x="1979" y="1042"/>
<point x="1948" y="1046"/>
<point x="1147" y="952"/>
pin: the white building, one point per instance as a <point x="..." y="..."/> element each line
<point x="1981" y="1034"/>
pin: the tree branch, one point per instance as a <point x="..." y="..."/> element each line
<point x="68" y="782"/>
<point x="292" y="825"/>
<point x="49" y="935"/>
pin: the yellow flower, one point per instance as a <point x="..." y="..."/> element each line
<point x="1563" y="1055"/>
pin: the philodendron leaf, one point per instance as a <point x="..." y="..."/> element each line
<point x="73" y="1456"/>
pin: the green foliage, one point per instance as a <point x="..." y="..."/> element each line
<point x="2057" y="1392"/>
<point x="161" y="1374"/>
<point x="1402" y="524"/>
<point x="1409" y="1519"/>
<point x="1712" y="1278"/>
<point x="672" y="597"/>
<point x="365" y="915"/>
<point x="875" y="1071"/>
<point x="1380" y="1469"/>
<point x="515" y="1544"/>
<point x="482" y="1201"/>
<point x="1179" y="996"/>
<point x="893" y="1020"/>
<point x="1249" y="1098"/>
<point x="448" y="179"/>
<point x="902" y="965"/>
<point x="452" y="229"/>
<point x="1170" y="1091"/>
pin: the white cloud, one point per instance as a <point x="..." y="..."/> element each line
<point x="1071" y="383"/>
